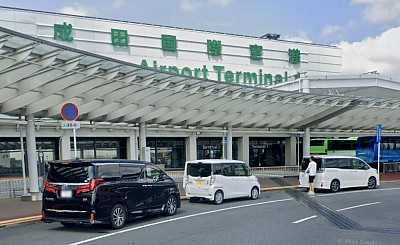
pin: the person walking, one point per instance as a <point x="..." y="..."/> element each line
<point x="312" y="171"/>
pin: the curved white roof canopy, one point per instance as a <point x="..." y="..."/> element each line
<point x="37" y="77"/>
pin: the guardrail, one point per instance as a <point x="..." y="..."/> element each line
<point x="15" y="188"/>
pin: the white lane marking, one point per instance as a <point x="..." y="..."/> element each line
<point x="301" y="220"/>
<point x="338" y="210"/>
<point x="358" y="206"/>
<point x="175" y="219"/>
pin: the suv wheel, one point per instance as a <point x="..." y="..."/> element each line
<point x="254" y="193"/>
<point x="335" y="185"/>
<point x="171" y="205"/>
<point x="371" y="183"/>
<point x="118" y="216"/>
<point x="218" y="197"/>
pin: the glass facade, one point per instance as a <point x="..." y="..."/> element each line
<point x="266" y="152"/>
<point x="212" y="148"/>
<point x="169" y="152"/>
<point x="100" y="148"/>
<point x="11" y="157"/>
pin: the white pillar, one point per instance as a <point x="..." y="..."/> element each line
<point x="290" y="151"/>
<point x="306" y="86"/>
<point x="243" y="149"/>
<point x="65" y="147"/>
<point x="191" y="147"/>
<point x="32" y="159"/>
<point x="306" y="142"/>
<point x="229" y="144"/>
<point x="144" y="151"/>
<point x="132" y="145"/>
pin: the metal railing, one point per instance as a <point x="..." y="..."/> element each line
<point x="15" y="188"/>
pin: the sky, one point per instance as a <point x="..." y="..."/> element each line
<point x="367" y="31"/>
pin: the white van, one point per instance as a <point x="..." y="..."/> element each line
<point x="216" y="180"/>
<point x="337" y="172"/>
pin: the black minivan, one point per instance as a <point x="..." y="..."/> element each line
<point x="106" y="192"/>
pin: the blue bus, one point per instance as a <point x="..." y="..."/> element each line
<point x="367" y="149"/>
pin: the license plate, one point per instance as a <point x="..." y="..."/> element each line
<point x="199" y="182"/>
<point x="66" y="193"/>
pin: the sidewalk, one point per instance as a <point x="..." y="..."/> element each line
<point x="14" y="211"/>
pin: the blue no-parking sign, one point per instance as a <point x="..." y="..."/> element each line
<point x="69" y="112"/>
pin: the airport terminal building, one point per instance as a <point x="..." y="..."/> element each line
<point x="168" y="94"/>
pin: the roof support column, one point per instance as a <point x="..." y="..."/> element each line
<point x="306" y="86"/>
<point x="191" y="147"/>
<point x="243" y="149"/>
<point x="32" y="158"/>
<point x="65" y="146"/>
<point x="229" y="144"/>
<point x="144" y="151"/>
<point x="132" y="145"/>
<point x="290" y="150"/>
<point x="306" y="142"/>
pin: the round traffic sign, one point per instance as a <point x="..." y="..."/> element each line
<point x="69" y="112"/>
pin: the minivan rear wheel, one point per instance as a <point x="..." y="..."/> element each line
<point x="335" y="185"/>
<point x="254" y="193"/>
<point x="118" y="216"/>
<point x="218" y="197"/>
<point x="371" y="183"/>
<point x="171" y="206"/>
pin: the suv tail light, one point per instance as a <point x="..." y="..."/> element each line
<point x="89" y="187"/>
<point x="49" y="187"/>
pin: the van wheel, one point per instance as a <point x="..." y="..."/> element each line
<point x="118" y="216"/>
<point x="171" y="206"/>
<point x="254" y="193"/>
<point x="371" y="183"/>
<point x="335" y="185"/>
<point x="218" y="197"/>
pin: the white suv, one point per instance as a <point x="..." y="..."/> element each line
<point x="216" y="180"/>
<point x="336" y="172"/>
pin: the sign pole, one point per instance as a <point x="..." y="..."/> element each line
<point x="70" y="112"/>
<point x="75" y="143"/>
<point x="378" y="140"/>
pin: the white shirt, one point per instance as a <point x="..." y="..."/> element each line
<point x="312" y="168"/>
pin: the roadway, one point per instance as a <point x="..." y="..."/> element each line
<point x="356" y="216"/>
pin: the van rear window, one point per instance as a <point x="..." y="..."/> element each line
<point x="199" y="169"/>
<point x="70" y="174"/>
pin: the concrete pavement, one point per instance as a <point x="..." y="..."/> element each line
<point x="14" y="211"/>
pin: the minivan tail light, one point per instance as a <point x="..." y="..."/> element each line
<point x="49" y="187"/>
<point x="321" y="170"/>
<point x="89" y="187"/>
<point x="212" y="179"/>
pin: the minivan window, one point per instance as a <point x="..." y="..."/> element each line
<point x="70" y="173"/>
<point x="344" y="163"/>
<point x="228" y="170"/>
<point x="306" y="161"/>
<point x="199" y="169"/>
<point x="357" y="164"/>
<point x="108" y="171"/>
<point x="240" y="170"/>
<point x="131" y="172"/>
<point x="156" y="174"/>
<point x="331" y="163"/>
